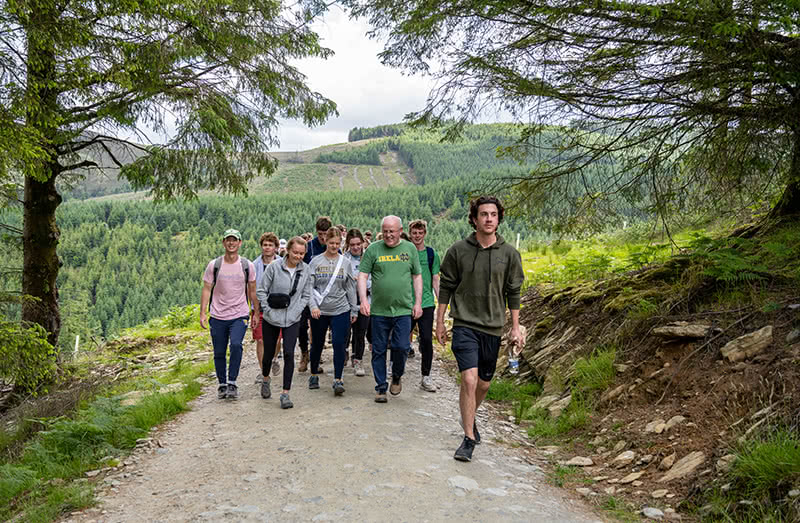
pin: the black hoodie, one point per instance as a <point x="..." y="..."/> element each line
<point x="478" y="283"/>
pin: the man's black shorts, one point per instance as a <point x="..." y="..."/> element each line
<point x="473" y="348"/>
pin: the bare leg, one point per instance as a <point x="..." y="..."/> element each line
<point x="467" y="400"/>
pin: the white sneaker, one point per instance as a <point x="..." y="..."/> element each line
<point x="359" y="368"/>
<point x="427" y="384"/>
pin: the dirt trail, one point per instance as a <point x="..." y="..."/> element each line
<point x="328" y="459"/>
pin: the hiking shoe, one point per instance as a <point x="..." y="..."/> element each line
<point x="222" y="392"/>
<point x="259" y="379"/>
<point x="411" y="354"/>
<point x="396" y="387"/>
<point x="276" y="368"/>
<point x="313" y="382"/>
<point x="338" y="387"/>
<point x="303" y="366"/>
<point x="266" y="392"/>
<point x="286" y="403"/>
<point x="380" y="397"/>
<point x="233" y="392"/>
<point x="359" y="368"/>
<point x="427" y="384"/>
<point x="464" y="452"/>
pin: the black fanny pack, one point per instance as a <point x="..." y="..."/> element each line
<point x="280" y="300"/>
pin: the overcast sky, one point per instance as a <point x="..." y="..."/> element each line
<point x="366" y="92"/>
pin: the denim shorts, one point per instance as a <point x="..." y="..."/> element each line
<point x="473" y="348"/>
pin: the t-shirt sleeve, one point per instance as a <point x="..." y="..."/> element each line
<point x="416" y="268"/>
<point x="252" y="275"/>
<point x="208" y="275"/>
<point x="436" y="263"/>
<point x="367" y="259"/>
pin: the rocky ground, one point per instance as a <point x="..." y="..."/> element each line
<point x="329" y="459"/>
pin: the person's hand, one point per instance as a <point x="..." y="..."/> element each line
<point x="315" y="313"/>
<point x="416" y="312"/>
<point x="516" y="339"/>
<point x="441" y="333"/>
<point x="364" y="308"/>
<point x="353" y="319"/>
<point x="203" y="320"/>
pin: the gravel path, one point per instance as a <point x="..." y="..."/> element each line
<point x="328" y="459"/>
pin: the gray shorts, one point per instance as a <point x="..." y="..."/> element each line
<point x="473" y="348"/>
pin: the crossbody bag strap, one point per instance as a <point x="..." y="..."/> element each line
<point x="296" y="279"/>
<point x="321" y="297"/>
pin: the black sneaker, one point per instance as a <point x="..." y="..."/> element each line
<point x="411" y="354"/>
<point x="313" y="382"/>
<point x="476" y="433"/>
<point x="233" y="392"/>
<point x="464" y="452"/>
<point x="222" y="392"/>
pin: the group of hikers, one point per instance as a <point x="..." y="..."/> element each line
<point x="343" y="284"/>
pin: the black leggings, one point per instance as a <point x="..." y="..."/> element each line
<point x="271" y="334"/>
<point x="358" y="332"/>
<point x="305" y="318"/>
<point x="425" y="323"/>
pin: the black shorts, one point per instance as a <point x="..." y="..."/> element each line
<point x="473" y="348"/>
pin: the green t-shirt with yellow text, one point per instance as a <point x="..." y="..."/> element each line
<point x="391" y="270"/>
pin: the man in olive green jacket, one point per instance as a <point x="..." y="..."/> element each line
<point x="480" y="276"/>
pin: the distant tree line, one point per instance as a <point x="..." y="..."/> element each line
<point x="364" y="155"/>
<point x="381" y="131"/>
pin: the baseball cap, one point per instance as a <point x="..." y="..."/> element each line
<point x="282" y="242"/>
<point x="232" y="232"/>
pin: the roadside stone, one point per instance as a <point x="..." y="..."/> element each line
<point x="684" y="467"/>
<point x="610" y="490"/>
<point x="578" y="461"/>
<point x="620" y="446"/>
<point x="660" y="493"/>
<point x="630" y="478"/>
<point x="545" y="401"/>
<point x="653" y="513"/>
<point x="794" y="493"/>
<point x="624" y="459"/>
<point x="558" y="407"/>
<point x="748" y="345"/>
<point x="793" y="336"/>
<point x="645" y="460"/>
<point x="598" y="440"/>
<point x="611" y="394"/>
<point x="583" y="491"/>
<point x="674" y="420"/>
<point x="725" y="462"/>
<point x="667" y="462"/>
<point x="657" y="426"/>
<point x="462" y="482"/>
<point x="92" y="473"/>
<point x="682" y="329"/>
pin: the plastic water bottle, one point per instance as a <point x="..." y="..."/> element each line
<point x="513" y="359"/>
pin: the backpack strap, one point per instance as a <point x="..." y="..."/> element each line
<point x="217" y="265"/>
<point x="429" y="250"/>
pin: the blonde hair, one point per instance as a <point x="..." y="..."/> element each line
<point x="295" y="240"/>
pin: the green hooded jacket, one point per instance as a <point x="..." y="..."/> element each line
<point x="479" y="283"/>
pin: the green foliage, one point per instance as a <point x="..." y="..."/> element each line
<point x="507" y="390"/>
<point x="727" y="260"/>
<point x="562" y="475"/>
<point x="181" y="317"/>
<point x="381" y="131"/>
<point x="26" y="357"/>
<point x="13" y="481"/>
<point x="768" y="465"/>
<point x="546" y="429"/>
<point x="595" y="373"/>
<point x="365" y="155"/>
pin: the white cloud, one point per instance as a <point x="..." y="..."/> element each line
<point x="366" y="92"/>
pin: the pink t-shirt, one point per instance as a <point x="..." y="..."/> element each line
<point x="229" y="301"/>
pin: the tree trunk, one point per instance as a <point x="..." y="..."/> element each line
<point x="789" y="204"/>
<point x="40" y="263"/>
<point x="39" y="230"/>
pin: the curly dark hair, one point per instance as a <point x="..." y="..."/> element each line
<point x="482" y="200"/>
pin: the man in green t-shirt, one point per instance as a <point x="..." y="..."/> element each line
<point x="429" y="261"/>
<point x="396" y="295"/>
